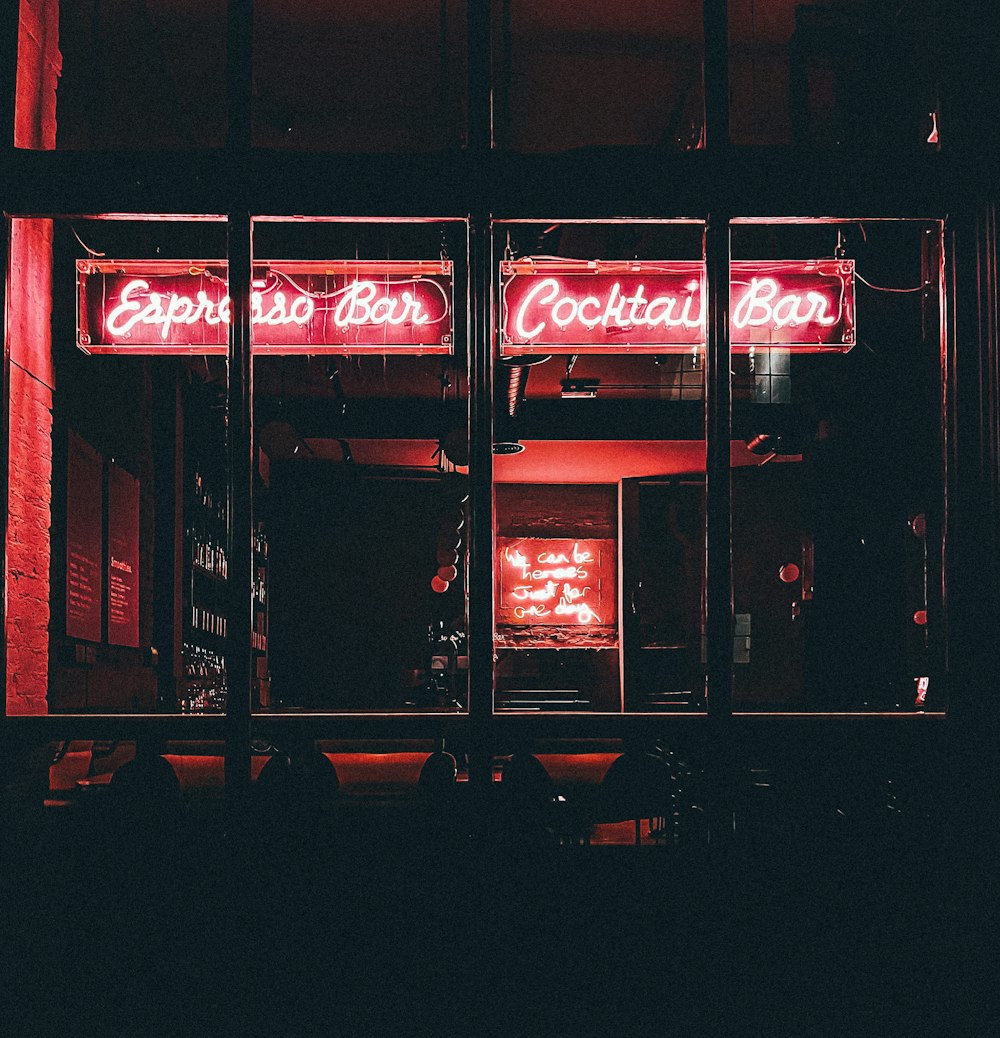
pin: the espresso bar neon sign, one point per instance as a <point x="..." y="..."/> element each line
<point x="571" y="306"/>
<point x="152" y="307"/>
<point x="555" y="581"/>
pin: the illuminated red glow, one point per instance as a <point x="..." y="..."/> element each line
<point x="152" y="307"/>
<point x="555" y="581"/>
<point x="617" y="310"/>
<point x="139" y="305"/>
<point x="923" y="685"/>
<point x="573" y="306"/>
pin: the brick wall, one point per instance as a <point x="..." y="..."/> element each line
<point x="39" y="64"/>
<point x="30" y="466"/>
<point x="28" y="523"/>
<point x="29" y="334"/>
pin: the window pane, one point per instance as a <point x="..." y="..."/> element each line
<point x="833" y="73"/>
<point x="361" y="425"/>
<point x="838" y="504"/>
<point x="382" y="76"/>
<point x="599" y="468"/>
<point x="116" y="542"/>
<point x="593" y="74"/>
<point x="119" y="74"/>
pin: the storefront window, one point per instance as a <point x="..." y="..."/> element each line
<point x="117" y="481"/>
<point x="833" y="74"/>
<point x="837" y="480"/>
<point x="110" y="74"/>
<point x="599" y="467"/>
<point x="339" y="76"/>
<point x="361" y="485"/>
<point x="575" y="75"/>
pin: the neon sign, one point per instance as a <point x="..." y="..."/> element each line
<point x="151" y="307"/>
<point x="556" y="581"/>
<point x="574" y="306"/>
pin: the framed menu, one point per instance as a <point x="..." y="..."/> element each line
<point x="123" y="557"/>
<point x="84" y="577"/>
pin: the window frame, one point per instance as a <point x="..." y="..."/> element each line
<point x="482" y="184"/>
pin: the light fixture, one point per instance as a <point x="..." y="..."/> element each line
<point x="579" y="388"/>
<point x="770" y="443"/>
<point x="518" y="369"/>
<point x="508" y="447"/>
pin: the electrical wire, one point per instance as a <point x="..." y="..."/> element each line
<point x="90" y="251"/>
<point x="884" y="288"/>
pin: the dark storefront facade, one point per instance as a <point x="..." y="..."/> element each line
<point x="558" y="382"/>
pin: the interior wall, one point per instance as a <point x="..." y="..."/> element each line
<point x="39" y="65"/>
<point x="29" y="338"/>
<point x="29" y="511"/>
<point x="351" y="563"/>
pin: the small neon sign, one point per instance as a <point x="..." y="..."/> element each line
<point x="573" y="306"/>
<point x="556" y="581"/>
<point x="151" y="307"/>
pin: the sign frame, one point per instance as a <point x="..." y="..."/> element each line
<point x="619" y="323"/>
<point x="279" y="300"/>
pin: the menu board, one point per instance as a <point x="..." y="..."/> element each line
<point x="84" y="584"/>
<point x="123" y="557"/>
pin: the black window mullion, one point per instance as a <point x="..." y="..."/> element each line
<point x="239" y="450"/>
<point x="718" y="536"/>
<point x="718" y="433"/>
<point x="239" y="411"/>
<point x="715" y="16"/>
<point x="481" y="666"/>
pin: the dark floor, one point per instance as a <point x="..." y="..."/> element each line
<point x="293" y="922"/>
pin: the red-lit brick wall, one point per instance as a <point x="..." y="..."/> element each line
<point x="39" y="64"/>
<point x="29" y="335"/>
<point x="30" y="486"/>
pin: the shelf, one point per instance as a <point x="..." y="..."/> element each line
<point x="208" y="574"/>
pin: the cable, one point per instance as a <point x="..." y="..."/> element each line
<point x="883" y="288"/>
<point x="90" y="251"/>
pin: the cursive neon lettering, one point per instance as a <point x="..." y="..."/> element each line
<point x="616" y="304"/>
<point x="118" y="322"/>
<point x="637" y="305"/>
<point x="359" y="306"/>
<point x="529" y="593"/>
<point x="361" y="303"/>
<point x="552" y="557"/>
<point x="544" y="303"/>
<point x="761" y="304"/>
<point x="817" y="314"/>
<point x="581" y="611"/>
<point x="548" y="285"/>
<point x="755" y="309"/>
<point x="550" y="583"/>
<point x="595" y="304"/>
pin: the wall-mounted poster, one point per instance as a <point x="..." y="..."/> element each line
<point x="123" y="557"/>
<point x="84" y="583"/>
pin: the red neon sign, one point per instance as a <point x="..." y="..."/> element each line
<point x="556" y="581"/>
<point x="153" y="307"/>
<point x="574" y="306"/>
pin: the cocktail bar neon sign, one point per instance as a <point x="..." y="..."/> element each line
<point x="555" y="581"/>
<point x="151" y="307"/>
<point x="574" y="306"/>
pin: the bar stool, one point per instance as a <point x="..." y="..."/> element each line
<point x="635" y="786"/>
